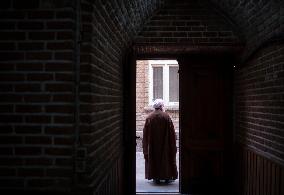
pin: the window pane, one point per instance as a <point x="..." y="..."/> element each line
<point x="173" y="84"/>
<point x="157" y="82"/>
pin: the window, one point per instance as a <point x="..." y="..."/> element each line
<point x="164" y="81"/>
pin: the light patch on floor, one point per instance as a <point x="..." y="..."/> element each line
<point x="144" y="185"/>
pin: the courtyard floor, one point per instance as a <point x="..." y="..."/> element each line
<point x="144" y="185"/>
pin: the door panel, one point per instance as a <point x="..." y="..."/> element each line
<point x="204" y="125"/>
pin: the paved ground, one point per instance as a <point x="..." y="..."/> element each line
<point x="143" y="185"/>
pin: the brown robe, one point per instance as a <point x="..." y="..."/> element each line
<point x="159" y="146"/>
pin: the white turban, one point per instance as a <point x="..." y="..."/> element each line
<point x="158" y="104"/>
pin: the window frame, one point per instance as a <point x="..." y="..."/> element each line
<point x="166" y="64"/>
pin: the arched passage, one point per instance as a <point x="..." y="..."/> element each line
<point x="41" y="42"/>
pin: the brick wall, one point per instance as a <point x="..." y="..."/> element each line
<point x="36" y="94"/>
<point x="142" y="88"/>
<point x="259" y="91"/>
<point x="108" y="28"/>
<point x="258" y="20"/>
<point x="188" y="23"/>
<point x="259" y="116"/>
<point x="37" y="55"/>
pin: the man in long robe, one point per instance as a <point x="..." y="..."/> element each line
<point x="159" y="145"/>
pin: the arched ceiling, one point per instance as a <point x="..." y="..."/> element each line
<point x="189" y="22"/>
<point x="257" y="20"/>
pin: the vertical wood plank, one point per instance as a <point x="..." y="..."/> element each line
<point x="277" y="180"/>
<point x="252" y="173"/>
<point x="261" y="177"/>
<point x="268" y="178"/>
<point x="282" y="181"/>
<point x="248" y="174"/>
<point x="272" y="179"/>
<point x="265" y="177"/>
<point x="245" y="173"/>
<point x="242" y="187"/>
<point x="257" y="175"/>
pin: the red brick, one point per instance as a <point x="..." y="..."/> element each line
<point x="28" y="108"/>
<point x="5" y="4"/>
<point x="11" y="15"/>
<point x="58" y="66"/>
<point x="31" y="172"/>
<point x="58" y="151"/>
<point x="40" y="182"/>
<point x="38" y="119"/>
<point x="58" y="130"/>
<point x="63" y="140"/>
<point x="67" y="35"/>
<point x="60" y="25"/>
<point x="28" y="151"/>
<point x="59" y="87"/>
<point x="6" y="108"/>
<point x="39" y="140"/>
<point x="10" y="161"/>
<point x="7" y="25"/>
<point x="64" y="56"/>
<point x="38" y="55"/>
<point x="59" y="108"/>
<point x="65" y="15"/>
<point x="7" y="67"/>
<point x="11" y="56"/>
<point x="39" y="77"/>
<point x="63" y="98"/>
<point x="11" y="118"/>
<point x="29" y="66"/>
<point x="41" y="14"/>
<point x="31" y="4"/>
<point x="28" y="88"/>
<point x="10" y="98"/>
<point x="64" y="77"/>
<point x="13" y="36"/>
<point x="12" y="77"/>
<point x="64" y="162"/>
<point x="65" y="45"/>
<point x="31" y="25"/>
<point x="37" y="98"/>
<point x="11" y="183"/>
<point x="28" y="129"/>
<point x="8" y="172"/>
<point x="195" y="34"/>
<point x="56" y="172"/>
<point x="5" y="151"/>
<point x="5" y="46"/>
<point x="41" y="35"/>
<point x="63" y="119"/>
<point x="31" y="46"/>
<point x="6" y="129"/>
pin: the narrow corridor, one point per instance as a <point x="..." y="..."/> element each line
<point x="67" y="94"/>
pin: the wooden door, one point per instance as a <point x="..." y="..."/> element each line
<point x="205" y="118"/>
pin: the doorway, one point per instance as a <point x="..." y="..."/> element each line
<point x="205" y="147"/>
<point x="155" y="79"/>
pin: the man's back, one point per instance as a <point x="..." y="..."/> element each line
<point x="159" y="146"/>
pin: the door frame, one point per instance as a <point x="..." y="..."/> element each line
<point x="129" y="118"/>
